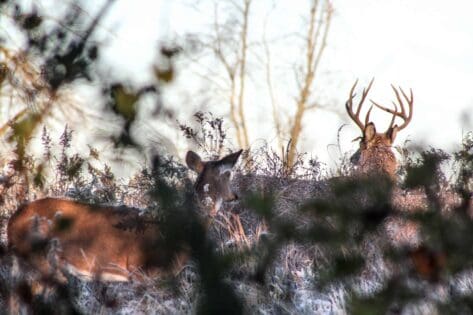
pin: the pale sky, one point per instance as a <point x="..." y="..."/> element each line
<point x="426" y="45"/>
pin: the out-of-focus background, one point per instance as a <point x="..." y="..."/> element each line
<point x="100" y="101"/>
<point x="257" y="63"/>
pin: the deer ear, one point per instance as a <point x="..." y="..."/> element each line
<point x="230" y="160"/>
<point x="194" y="162"/>
<point x="392" y="133"/>
<point x="369" y="132"/>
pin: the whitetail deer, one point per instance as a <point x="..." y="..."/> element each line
<point x="375" y="153"/>
<point x="88" y="240"/>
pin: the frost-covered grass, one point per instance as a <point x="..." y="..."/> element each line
<point x="312" y="243"/>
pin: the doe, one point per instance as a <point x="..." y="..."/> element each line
<point x="89" y="241"/>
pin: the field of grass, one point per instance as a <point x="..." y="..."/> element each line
<point x="300" y="240"/>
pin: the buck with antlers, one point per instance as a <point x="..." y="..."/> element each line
<point x="58" y="236"/>
<point x="375" y="153"/>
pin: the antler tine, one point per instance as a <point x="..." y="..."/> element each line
<point x="355" y="116"/>
<point x="363" y="96"/>
<point x="367" y="117"/>
<point x="389" y="110"/>
<point x="349" y="107"/>
<point x="391" y="124"/>
<point x="353" y="87"/>
<point x="410" y="102"/>
<point x="402" y="114"/>
<point x="399" y="99"/>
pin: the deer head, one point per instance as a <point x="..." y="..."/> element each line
<point x="213" y="181"/>
<point x="375" y="153"/>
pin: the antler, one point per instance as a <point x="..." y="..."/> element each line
<point x="349" y="106"/>
<point x="402" y="114"/>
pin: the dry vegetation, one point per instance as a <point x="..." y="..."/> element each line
<point x="301" y="239"/>
<point x="296" y="242"/>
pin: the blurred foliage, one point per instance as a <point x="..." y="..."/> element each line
<point x="66" y="50"/>
<point x="209" y="135"/>
<point x="66" y="53"/>
<point x="344" y="218"/>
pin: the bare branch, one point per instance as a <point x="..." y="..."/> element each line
<point x="277" y="122"/>
<point x="313" y="57"/>
<point x="244" y="48"/>
<point x="218" y="46"/>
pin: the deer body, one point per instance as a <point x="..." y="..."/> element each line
<point x="93" y="244"/>
<point x="375" y="156"/>
<point x="109" y="243"/>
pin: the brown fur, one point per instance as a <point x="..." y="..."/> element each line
<point x="375" y="154"/>
<point x="93" y="243"/>
<point x="109" y="243"/>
